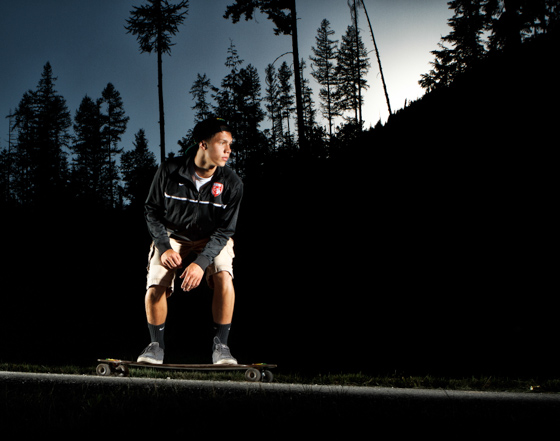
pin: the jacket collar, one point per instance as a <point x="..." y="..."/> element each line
<point x="187" y="169"/>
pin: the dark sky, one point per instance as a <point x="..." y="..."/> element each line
<point x="88" y="47"/>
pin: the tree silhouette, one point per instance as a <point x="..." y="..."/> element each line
<point x="138" y="167"/>
<point x="467" y="24"/>
<point x="114" y="126"/>
<point x="199" y="91"/>
<point x="352" y="67"/>
<point x="154" y="24"/>
<point x="272" y="105"/>
<point x="90" y="175"/>
<point x="238" y="101"/>
<point x="285" y="100"/>
<point x="42" y="121"/>
<point x="324" y="71"/>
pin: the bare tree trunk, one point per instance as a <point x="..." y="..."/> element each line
<point x="161" y="113"/>
<point x="358" y="111"/>
<point x="378" y="59"/>
<point x="297" y="78"/>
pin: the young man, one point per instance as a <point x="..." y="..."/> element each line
<point x="193" y="206"/>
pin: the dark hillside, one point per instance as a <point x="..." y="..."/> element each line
<point x="465" y="177"/>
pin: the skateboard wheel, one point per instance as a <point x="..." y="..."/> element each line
<point x="267" y="376"/>
<point x="121" y="370"/>
<point x="103" y="369"/>
<point x="252" y="374"/>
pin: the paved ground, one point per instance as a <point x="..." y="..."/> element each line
<point x="282" y="409"/>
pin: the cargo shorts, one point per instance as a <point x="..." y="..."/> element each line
<point x="157" y="274"/>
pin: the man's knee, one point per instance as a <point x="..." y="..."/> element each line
<point x="156" y="292"/>
<point x="221" y="278"/>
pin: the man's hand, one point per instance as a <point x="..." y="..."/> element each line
<point x="191" y="277"/>
<point x="171" y="259"/>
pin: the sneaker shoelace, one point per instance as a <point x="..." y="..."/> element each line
<point x="150" y="349"/>
<point x="223" y="350"/>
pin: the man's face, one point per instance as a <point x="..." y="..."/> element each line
<point x="218" y="148"/>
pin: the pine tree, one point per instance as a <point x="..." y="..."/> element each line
<point x="286" y="100"/>
<point x="114" y="126"/>
<point x="272" y="105"/>
<point x="238" y="101"/>
<point x="352" y="68"/>
<point x="225" y="96"/>
<point x="154" y="24"/>
<point x="324" y="71"/>
<point x="309" y="111"/>
<point x="42" y="123"/>
<point x="25" y="133"/>
<point x="465" y="39"/>
<point x="247" y="135"/>
<point x="89" y="171"/>
<point x="199" y="91"/>
<point x="138" y="167"/>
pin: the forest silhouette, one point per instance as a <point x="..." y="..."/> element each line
<point x="410" y="239"/>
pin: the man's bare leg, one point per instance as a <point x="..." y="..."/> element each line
<point x="156" y="314"/>
<point x="222" y="312"/>
<point x="224" y="298"/>
<point x="156" y="304"/>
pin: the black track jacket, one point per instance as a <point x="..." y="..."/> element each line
<point x="174" y="205"/>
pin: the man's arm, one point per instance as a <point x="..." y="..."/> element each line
<point x="154" y="211"/>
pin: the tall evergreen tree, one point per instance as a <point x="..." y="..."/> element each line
<point x="199" y="91"/>
<point x="352" y="68"/>
<point x="25" y="133"/>
<point x="90" y="171"/>
<point x="309" y="111"/>
<point x="466" y="45"/>
<point x="154" y="24"/>
<point x="324" y="71"/>
<point x="272" y="105"/>
<point x="285" y="99"/>
<point x="238" y="101"/>
<point x="42" y="123"/>
<point x="247" y="135"/>
<point x="225" y="97"/>
<point x="202" y="107"/>
<point x="114" y="126"/>
<point x="138" y="167"/>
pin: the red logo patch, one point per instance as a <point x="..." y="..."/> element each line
<point x="217" y="189"/>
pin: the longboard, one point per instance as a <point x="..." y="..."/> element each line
<point x="253" y="372"/>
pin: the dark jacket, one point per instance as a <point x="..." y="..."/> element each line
<point x="174" y="205"/>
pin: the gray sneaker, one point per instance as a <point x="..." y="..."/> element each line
<point x="152" y="354"/>
<point x="221" y="354"/>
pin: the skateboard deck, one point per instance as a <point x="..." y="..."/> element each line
<point x="253" y="372"/>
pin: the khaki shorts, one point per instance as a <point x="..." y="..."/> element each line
<point x="159" y="275"/>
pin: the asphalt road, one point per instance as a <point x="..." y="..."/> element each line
<point x="277" y="409"/>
